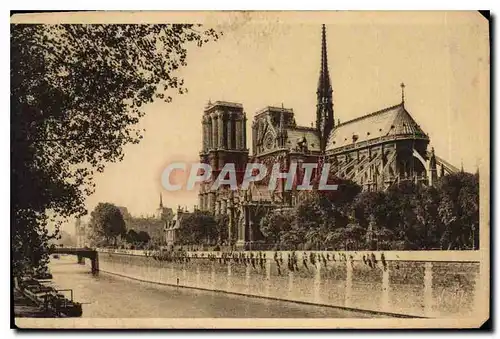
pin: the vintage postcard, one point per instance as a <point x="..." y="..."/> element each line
<point x="250" y="169"/>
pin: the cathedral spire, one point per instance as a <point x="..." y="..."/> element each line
<point x="324" y="77"/>
<point x="324" y="105"/>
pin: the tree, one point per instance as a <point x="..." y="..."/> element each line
<point x="198" y="227"/>
<point x="312" y="218"/>
<point x="318" y="216"/>
<point x="345" y="194"/>
<point x="427" y="229"/>
<point x="275" y="224"/>
<point x="77" y="93"/>
<point x="385" y="239"/>
<point x="371" y="205"/>
<point x="335" y="239"/>
<point x="354" y="236"/>
<point x="350" y="237"/>
<point x="131" y="236"/>
<point x="293" y="238"/>
<point x="222" y="223"/>
<point x="402" y="218"/>
<point x="459" y="211"/>
<point x="107" y="222"/>
<point x="143" y="237"/>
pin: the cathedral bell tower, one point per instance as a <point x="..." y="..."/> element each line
<point x="324" y="106"/>
<point x="224" y="141"/>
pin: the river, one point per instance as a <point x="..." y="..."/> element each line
<point x="110" y="296"/>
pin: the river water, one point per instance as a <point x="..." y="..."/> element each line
<point x="110" y="296"/>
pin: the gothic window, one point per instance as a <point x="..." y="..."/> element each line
<point x="269" y="142"/>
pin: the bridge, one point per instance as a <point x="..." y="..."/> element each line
<point x="81" y="253"/>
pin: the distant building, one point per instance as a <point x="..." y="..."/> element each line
<point x="80" y="233"/>
<point x="154" y="225"/>
<point x="164" y="213"/>
<point x="172" y="228"/>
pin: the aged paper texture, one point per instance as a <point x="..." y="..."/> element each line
<point x="250" y="169"/>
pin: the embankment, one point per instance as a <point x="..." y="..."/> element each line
<point x="423" y="283"/>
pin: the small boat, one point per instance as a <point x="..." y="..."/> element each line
<point x="49" y="298"/>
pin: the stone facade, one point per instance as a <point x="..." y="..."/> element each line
<point x="173" y="225"/>
<point x="155" y="225"/>
<point x="376" y="151"/>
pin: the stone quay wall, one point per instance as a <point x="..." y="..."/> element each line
<point x="410" y="283"/>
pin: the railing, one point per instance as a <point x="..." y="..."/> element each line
<point x="69" y="250"/>
<point x="51" y="295"/>
<point x="393" y="255"/>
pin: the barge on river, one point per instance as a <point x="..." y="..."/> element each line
<point x="49" y="298"/>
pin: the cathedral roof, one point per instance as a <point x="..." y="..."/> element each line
<point x="391" y="121"/>
<point x="268" y="109"/>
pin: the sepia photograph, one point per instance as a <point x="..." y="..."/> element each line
<point x="250" y="169"/>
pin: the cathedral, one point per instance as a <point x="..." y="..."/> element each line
<point x="376" y="150"/>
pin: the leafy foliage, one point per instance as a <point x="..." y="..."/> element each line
<point x="198" y="227"/>
<point x="459" y="211"/>
<point x="106" y="222"/>
<point x="77" y="92"/>
<point x="139" y="239"/>
<point x="405" y="217"/>
<point x="143" y="237"/>
<point x="322" y="215"/>
<point x="222" y="224"/>
<point x="131" y="236"/>
<point x="276" y="224"/>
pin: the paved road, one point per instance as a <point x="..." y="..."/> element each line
<point x="107" y="296"/>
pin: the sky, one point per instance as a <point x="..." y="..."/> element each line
<point x="273" y="59"/>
